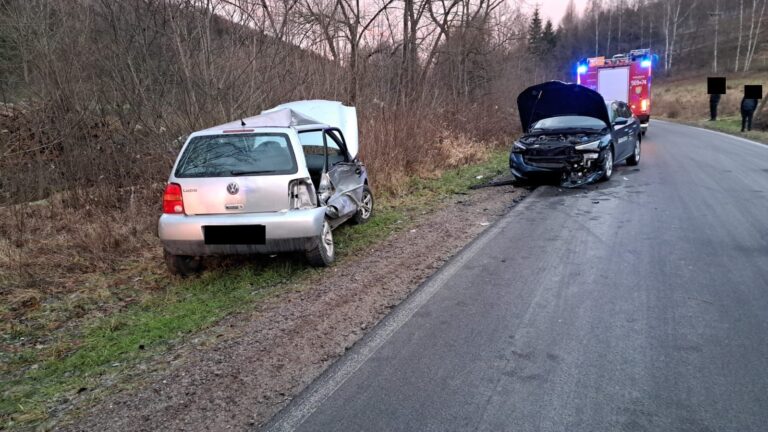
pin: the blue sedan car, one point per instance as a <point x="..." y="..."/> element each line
<point x="572" y="134"/>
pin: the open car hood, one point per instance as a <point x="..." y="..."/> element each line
<point x="331" y="113"/>
<point x="555" y="99"/>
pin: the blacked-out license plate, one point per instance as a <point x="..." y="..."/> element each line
<point x="234" y="234"/>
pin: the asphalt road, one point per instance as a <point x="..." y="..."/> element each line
<point x="637" y="305"/>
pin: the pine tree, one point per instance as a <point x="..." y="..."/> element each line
<point x="569" y="18"/>
<point x="535" y="33"/>
<point x="548" y="37"/>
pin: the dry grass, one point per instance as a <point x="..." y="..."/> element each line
<point x="401" y="145"/>
<point x="687" y="98"/>
<point x="60" y="263"/>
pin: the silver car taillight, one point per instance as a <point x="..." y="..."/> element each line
<point x="302" y="194"/>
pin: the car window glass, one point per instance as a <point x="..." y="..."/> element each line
<point x="625" y="112"/>
<point x="312" y="145"/>
<point x="334" y="150"/>
<point x="568" y="122"/>
<point x="311" y="142"/>
<point x="221" y="155"/>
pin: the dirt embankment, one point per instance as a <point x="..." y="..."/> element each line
<point x="239" y="374"/>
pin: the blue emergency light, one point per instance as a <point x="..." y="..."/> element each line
<point x="581" y="69"/>
<point x="646" y="63"/>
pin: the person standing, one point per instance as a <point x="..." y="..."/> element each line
<point x="748" y="107"/>
<point x="714" y="99"/>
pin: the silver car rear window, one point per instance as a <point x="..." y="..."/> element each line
<point x="237" y="154"/>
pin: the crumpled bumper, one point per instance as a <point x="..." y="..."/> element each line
<point x="575" y="169"/>
<point x="286" y="231"/>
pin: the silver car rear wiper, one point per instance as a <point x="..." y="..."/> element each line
<point x="239" y="173"/>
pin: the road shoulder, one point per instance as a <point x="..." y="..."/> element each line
<point x="245" y="369"/>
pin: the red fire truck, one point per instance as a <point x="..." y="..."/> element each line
<point x="624" y="77"/>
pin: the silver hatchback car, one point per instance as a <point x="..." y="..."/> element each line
<point x="276" y="182"/>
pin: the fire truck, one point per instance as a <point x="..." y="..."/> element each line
<point x="625" y="77"/>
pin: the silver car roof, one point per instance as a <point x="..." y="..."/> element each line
<point x="282" y="118"/>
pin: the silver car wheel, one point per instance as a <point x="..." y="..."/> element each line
<point x="366" y="205"/>
<point x="637" y="150"/>
<point x="608" y="164"/>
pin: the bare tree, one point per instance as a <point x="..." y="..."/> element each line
<point x="357" y="26"/>
<point x="610" y="29"/>
<point x="595" y="7"/>
<point x="620" y="8"/>
<point x="672" y="20"/>
<point x="741" y="30"/>
<point x="716" y="15"/>
<point x="753" y="40"/>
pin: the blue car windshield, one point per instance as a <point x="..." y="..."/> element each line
<point x="568" y="122"/>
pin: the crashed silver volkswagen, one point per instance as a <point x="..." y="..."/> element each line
<point x="277" y="182"/>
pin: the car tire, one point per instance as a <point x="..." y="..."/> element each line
<point x="364" y="213"/>
<point x="635" y="158"/>
<point x="321" y="252"/>
<point x="182" y="265"/>
<point x="607" y="165"/>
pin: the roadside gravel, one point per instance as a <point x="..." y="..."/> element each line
<point x="240" y="373"/>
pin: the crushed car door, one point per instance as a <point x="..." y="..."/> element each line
<point x="344" y="174"/>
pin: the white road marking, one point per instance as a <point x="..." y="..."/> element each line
<point x="317" y="392"/>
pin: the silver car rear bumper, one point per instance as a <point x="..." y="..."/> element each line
<point x="286" y="231"/>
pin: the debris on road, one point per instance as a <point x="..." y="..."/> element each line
<point x="505" y="180"/>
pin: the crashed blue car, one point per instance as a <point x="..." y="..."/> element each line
<point x="572" y="134"/>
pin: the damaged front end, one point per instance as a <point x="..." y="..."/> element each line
<point x="568" y="132"/>
<point x="342" y="202"/>
<point x="578" y="158"/>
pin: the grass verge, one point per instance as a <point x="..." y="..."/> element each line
<point x="36" y="381"/>
<point x="732" y="126"/>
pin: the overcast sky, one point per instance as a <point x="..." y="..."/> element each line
<point x="554" y="9"/>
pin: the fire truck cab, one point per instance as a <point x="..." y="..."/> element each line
<point x="624" y="77"/>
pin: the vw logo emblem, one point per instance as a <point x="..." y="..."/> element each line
<point x="233" y="188"/>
